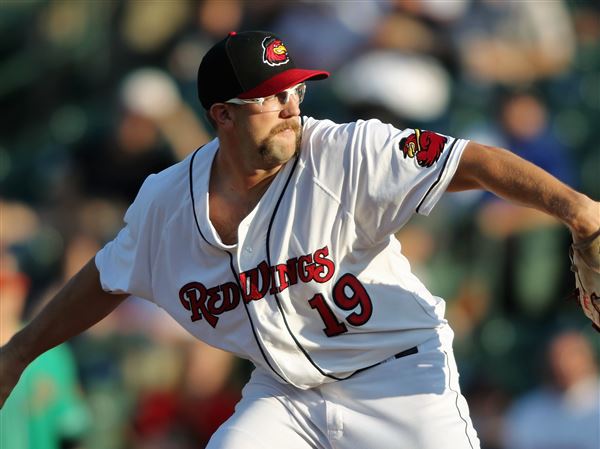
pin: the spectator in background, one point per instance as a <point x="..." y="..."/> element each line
<point x="565" y="412"/>
<point x="337" y="30"/>
<point x="154" y="129"/>
<point x="516" y="42"/>
<point x="188" y="409"/>
<point x="528" y="243"/>
<point x="525" y="126"/>
<point x="47" y="410"/>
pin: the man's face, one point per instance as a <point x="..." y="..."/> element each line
<point x="268" y="139"/>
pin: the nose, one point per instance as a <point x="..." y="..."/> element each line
<point x="291" y="108"/>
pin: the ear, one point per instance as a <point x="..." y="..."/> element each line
<point x="220" y="114"/>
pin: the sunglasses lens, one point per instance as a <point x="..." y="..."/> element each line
<point x="298" y="90"/>
<point x="278" y="101"/>
<point x="283" y="97"/>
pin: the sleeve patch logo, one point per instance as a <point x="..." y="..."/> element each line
<point x="424" y="146"/>
<point x="274" y="52"/>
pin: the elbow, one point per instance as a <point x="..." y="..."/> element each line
<point x="472" y="166"/>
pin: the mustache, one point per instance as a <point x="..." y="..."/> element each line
<point x="292" y="124"/>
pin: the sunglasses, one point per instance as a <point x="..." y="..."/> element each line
<point x="275" y="102"/>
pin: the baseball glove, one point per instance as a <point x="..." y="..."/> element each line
<point x="585" y="263"/>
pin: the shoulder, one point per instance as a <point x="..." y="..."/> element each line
<point x="320" y="126"/>
<point x="358" y="136"/>
<point x="329" y="133"/>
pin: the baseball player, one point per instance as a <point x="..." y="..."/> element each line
<point x="275" y="242"/>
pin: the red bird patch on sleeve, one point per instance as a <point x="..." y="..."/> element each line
<point x="425" y="146"/>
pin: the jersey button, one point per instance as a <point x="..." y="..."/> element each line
<point x="249" y="249"/>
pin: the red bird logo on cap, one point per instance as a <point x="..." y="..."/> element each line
<point x="425" y="146"/>
<point x="274" y="52"/>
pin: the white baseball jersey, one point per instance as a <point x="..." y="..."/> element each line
<point x="316" y="287"/>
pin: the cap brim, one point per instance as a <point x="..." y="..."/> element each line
<point x="282" y="81"/>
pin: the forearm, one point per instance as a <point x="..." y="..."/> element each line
<point x="78" y="306"/>
<point x="518" y="181"/>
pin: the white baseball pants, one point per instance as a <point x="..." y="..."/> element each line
<point x="413" y="402"/>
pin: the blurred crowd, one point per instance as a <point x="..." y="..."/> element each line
<point x="97" y="94"/>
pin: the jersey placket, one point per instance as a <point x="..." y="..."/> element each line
<point x="265" y="315"/>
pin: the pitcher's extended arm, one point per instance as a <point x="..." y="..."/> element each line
<point x="80" y="304"/>
<point x="519" y="181"/>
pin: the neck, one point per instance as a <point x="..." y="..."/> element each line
<point x="234" y="174"/>
<point x="234" y="191"/>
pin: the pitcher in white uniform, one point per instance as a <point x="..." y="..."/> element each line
<point x="275" y="241"/>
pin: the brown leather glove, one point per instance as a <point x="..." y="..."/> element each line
<point x="585" y="263"/>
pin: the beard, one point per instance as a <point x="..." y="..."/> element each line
<point x="275" y="151"/>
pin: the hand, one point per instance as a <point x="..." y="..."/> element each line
<point x="11" y="368"/>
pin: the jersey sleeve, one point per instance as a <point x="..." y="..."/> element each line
<point x="383" y="175"/>
<point x="399" y="173"/>
<point x="125" y="262"/>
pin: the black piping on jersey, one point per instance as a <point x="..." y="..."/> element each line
<point x="235" y="276"/>
<point x="276" y="296"/>
<point x="456" y="401"/>
<point x="439" y="177"/>
<point x="278" y="300"/>
<point x="262" y="351"/>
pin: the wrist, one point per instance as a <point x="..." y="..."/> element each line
<point x="586" y="219"/>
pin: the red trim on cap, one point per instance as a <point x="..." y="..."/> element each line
<point x="232" y="33"/>
<point x="282" y="81"/>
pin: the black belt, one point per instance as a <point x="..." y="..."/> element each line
<point x="410" y="351"/>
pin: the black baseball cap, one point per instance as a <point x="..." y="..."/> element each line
<point x="248" y="64"/>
